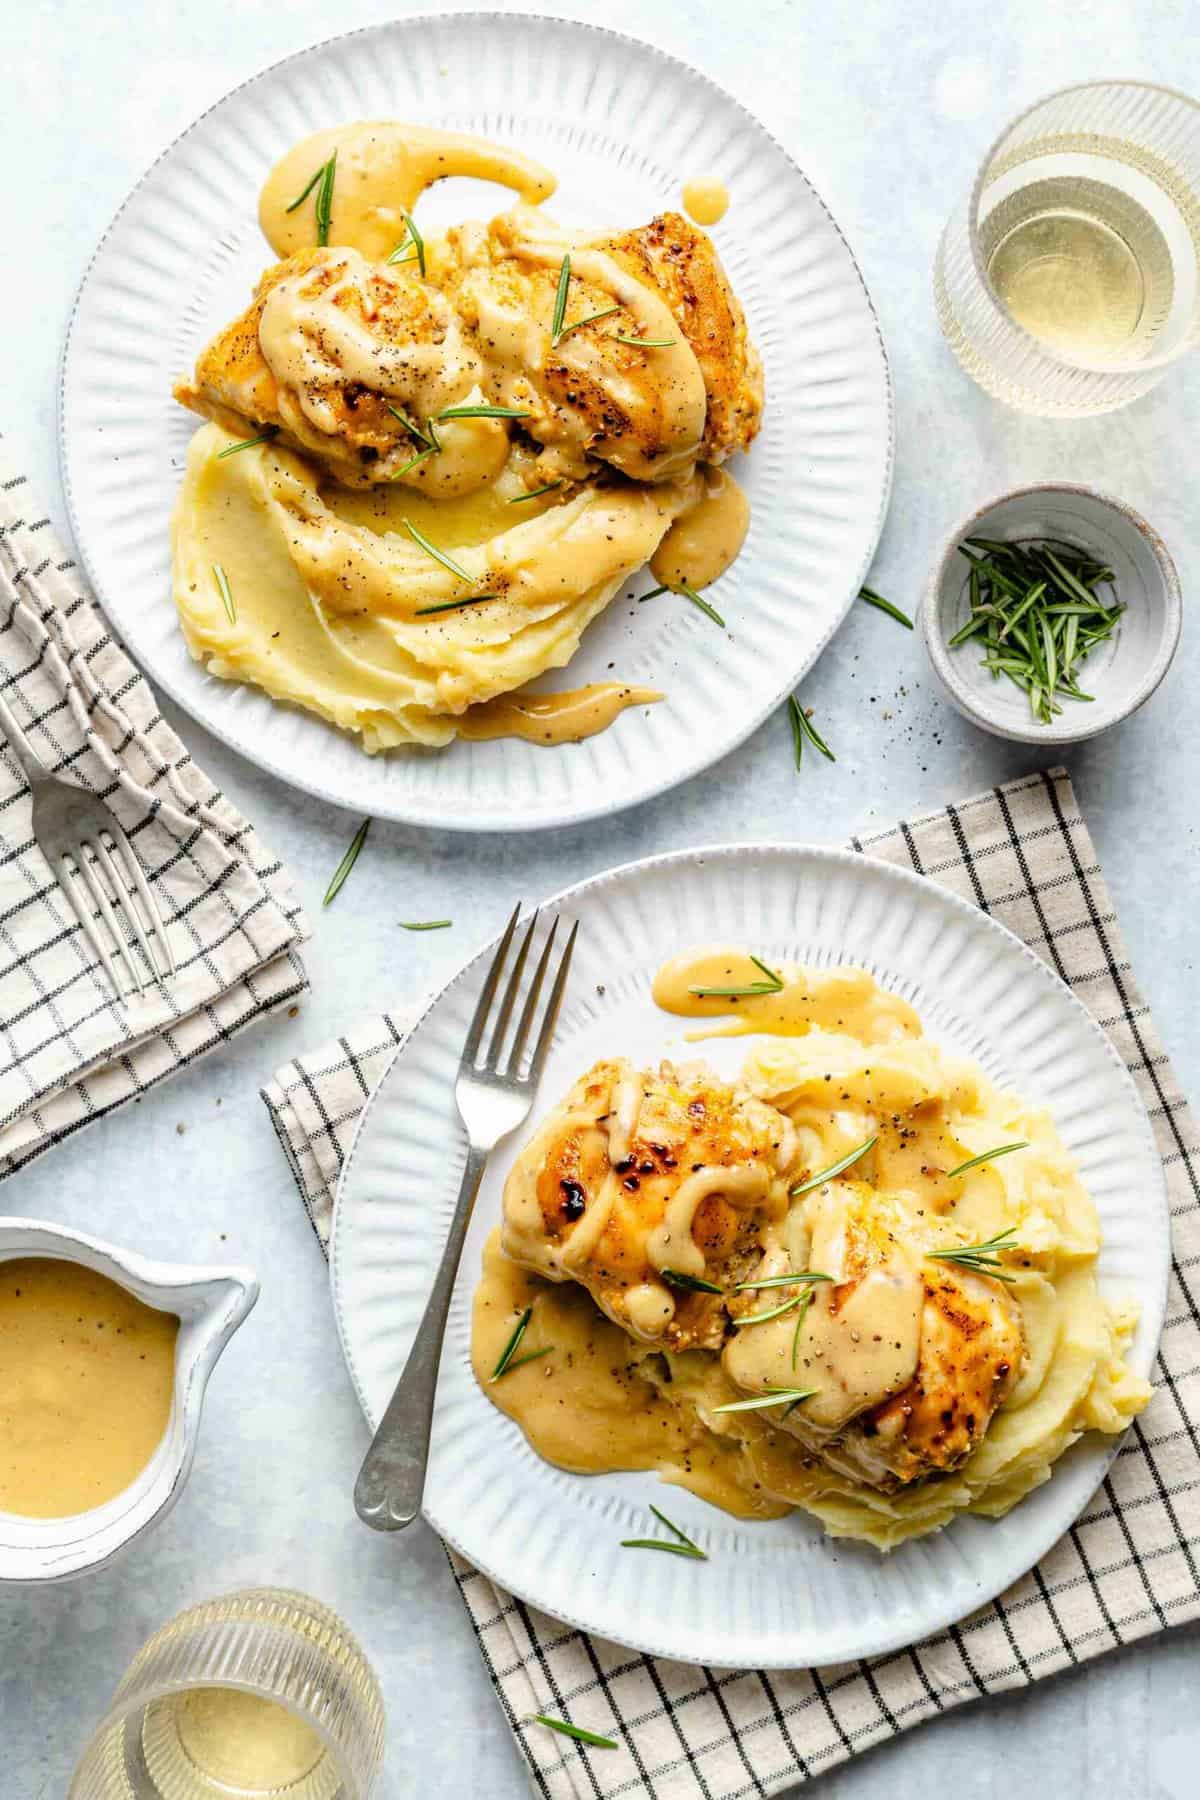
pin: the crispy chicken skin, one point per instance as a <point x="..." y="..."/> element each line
<point x="641" y="1171"/>
<point x="671" y="255"/>
<point x="332" y="347"/>
<point x="971" y="1354"/>
<point x="910" y="1357"/>
<point x="371" y="337"/>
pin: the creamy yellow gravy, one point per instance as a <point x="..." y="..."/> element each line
<point x="706" y="200"/>
<point x="296" y="632"/>
<point x="842" y="1059"/>
<point x="87" y="1373"/>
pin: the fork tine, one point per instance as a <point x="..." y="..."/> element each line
<point x="484" y="1004"/>
<point x="542" y="1046"/>
<point x="91" y="880"/>
<point x="492" y="1059"/>
<point x="518" y="1049"/>
<point x="127" y="903"/>
<point x="68" y="874"/>
<point x="158" y="930"/>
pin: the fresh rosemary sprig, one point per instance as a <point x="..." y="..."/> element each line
<point x="225" y="591"/>
<point x="885" y="606"/>
<point x="482" y="412"/>
<point x="347" y="863"/>
<point x="565" y="1727"/>
<point x="789" y="1280"/>
<point x="324" y="200"/>
<point x="776" y="1396"/>
<point x="984" y="1157"/>
<point x="518" y="1362"/>
<point x="682" y="1547"/>
<point x="425" y="924"/>
<point x="773" y="984"/>
<point x="303" y="196"/>
<point x="513" y="1345"/>
<point x="837" y="1168"/>
<point x="981" y="1259"/>
<point x="424" y="435"/>
<point x="447" y="562"/>
<point x="688" y="593"/>
<point x="262" y="437"/>
<point x="805" y="1303"/>
<point x="560" y="300"/>
<point x="442" y="606"/>
<point x="774" y="1312"/>
<point x="803" y="727"/>
<point x="1034" y="608"/>
<point x="535" y="493"/>
<point x="641" y="343"/>
<point x="420" y="457"/>
<point x="576" y="324"/>
<point x="690" y="1284"/>
<point x="418" y="242"/>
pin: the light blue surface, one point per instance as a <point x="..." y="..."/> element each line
<point x="887" y="106"/>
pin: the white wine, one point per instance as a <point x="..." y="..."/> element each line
<point x="1081" y="265"/>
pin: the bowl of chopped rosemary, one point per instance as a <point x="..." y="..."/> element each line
<point x="1053" y="613"/>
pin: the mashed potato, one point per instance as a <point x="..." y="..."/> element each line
<point x="328" y="587"/>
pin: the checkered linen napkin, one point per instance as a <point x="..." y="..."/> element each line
<point x="69" y="1052"/>
<point x="1128" y="1566"/>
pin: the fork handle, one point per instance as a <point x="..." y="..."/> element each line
<point x="387" y="1494"/>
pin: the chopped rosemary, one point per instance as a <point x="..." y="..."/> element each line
<point x="420" y="457"/>
<point x="843" y="1162"/>
<point x="682" y="1547"/>
<point x="884" y="606"/>
<point x="560" y="299"/>
<point x="513" y="1345"/>
<point x="262" y="437"/>
<point x="981" y="1259"/>
<point x="691" y="1284"/>
<point x="688" y="593"/>
<point x="776" y="1396"/>
<point x="793" y="708"/>
<point x="482" y="412"/>
<point x="324" y="201"/>
<point x="425" y="924"/>
<point x="805" y="1303"/>
<point x="447" y="562"/>
<point x="575" y="325"/>
<point x="347" y="863"/>
<point x="423" y="436"/>
<point x="442" y="606"/>
<point x="418" y="242"/>
<point x="312" y="182"/>
<point x="1035" y="612"/>
<point x="535" y="493"/>
<point x="789" y="1280"/>
<point x="641" y="343"/>
<point x="774" y="1312"/>
<point x="226" y="593"/>
<point x="574" y="1731"/>
<point x="772" y="985"/>
<point x="518" y="1362"/>
<point x="803" y="727"/>
<point x="452" y="605"/>
<point x="983" y="1157"/>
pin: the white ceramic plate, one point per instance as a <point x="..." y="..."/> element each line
<point x="623" y="125"/>
<point x="773" y="1595"/>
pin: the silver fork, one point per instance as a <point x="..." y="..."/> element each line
<point x="493" y="1098"/>
<point x="83" y="844"/>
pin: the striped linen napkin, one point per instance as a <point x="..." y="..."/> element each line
<point x="1128" y="1567"/>
<point x="69" y="1052"/>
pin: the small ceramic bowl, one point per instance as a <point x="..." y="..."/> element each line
<point x="1121" y="673"/>
<point x="210" y="1304"/>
